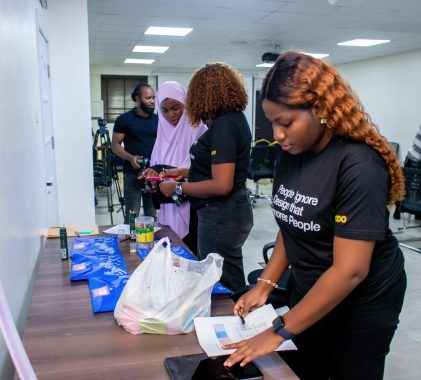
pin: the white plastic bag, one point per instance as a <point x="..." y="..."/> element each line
<point x="166" y="292"/>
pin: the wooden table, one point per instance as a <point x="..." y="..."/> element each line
<point x="65" y="340"/>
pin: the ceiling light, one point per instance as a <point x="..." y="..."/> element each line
<point x="264" y="65"/>
<point x="149" y="49"/>
<point x="317" y="55"/>
<point x="139" y="61"/>
<point x="166" y="31"/>
<point x="362" y="42"/>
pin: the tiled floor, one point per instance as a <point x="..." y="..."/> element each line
<point x="403" y="361"/>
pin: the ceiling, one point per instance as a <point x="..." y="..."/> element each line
<point x="240" y="31"/>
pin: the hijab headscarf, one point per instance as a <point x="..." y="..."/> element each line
<point x="172" y="147"/>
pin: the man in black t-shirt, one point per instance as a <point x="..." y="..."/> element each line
<point x="136" y="129"/>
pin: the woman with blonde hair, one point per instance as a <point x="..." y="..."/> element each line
<point x="334" y="179"/>
<point x="219" y="164"/>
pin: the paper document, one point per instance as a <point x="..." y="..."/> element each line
<point x="214" y="332"/>
<point x="125" y="227"/>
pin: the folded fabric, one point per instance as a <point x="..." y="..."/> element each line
<point x="179" y="251"/>
<point x="95" y="245"/>
<point x="220" y="289"/>
<point x="87" y="267"/>
<point x="106" y="291"/>
<point x="96" y="257"/>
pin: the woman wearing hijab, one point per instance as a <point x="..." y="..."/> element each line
<point x="174" y="139"/>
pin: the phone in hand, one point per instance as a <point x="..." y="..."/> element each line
<point x="201" y="367"/>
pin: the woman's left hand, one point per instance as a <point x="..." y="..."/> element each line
<point x="167" y="188"/>
<point x="249" y="349"/>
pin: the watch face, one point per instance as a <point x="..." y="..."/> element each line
<point x="278" y="323"/>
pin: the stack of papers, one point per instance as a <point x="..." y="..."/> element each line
<point x="215" y="332"/>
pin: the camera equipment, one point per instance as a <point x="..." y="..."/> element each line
<point x="143" y="162"/>
<point x="269" y="57"/>
<point x="105" y="167"/>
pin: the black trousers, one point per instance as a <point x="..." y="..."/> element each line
<point x="134" y="196"/>
<point x="352" y="341"/>
<point x="191" y="238"/>
<point x="223" y="227"/>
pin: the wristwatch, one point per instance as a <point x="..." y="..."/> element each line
<point x="278" y="326"/>
<point x="179" y="189"/>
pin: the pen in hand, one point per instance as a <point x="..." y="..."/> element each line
<point x="243" y="321"/>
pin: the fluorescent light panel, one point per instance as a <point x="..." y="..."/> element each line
<point x="265" y="65"/>
<point x="139" y="61"/>
<point x="168" y="31"/>
<point x="317" y="55"/>
<point x="149" y="49"/>
<point x="363" y="42"/>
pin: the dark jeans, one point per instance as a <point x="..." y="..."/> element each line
<point x="191" y="238"/>
<point x="352" y="341"/>
<point x="132" y="194"/>
<point x="223" y="228"/>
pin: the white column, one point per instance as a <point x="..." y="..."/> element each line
<point x="69" y="60"/>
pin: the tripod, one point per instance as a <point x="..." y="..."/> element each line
<point x="105" y="169"/>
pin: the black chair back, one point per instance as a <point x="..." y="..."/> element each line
<point x="262" y="162"/>
<point x="395" y="146"/>
<point x="412" y="201"/>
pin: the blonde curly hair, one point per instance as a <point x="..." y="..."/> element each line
<point x="214" y="90"/>
<point x="300" y="81"/>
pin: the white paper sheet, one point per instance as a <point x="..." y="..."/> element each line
<point x="214" y="332"/>
<point x="125" y="227"/>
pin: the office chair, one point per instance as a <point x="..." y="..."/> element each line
<point x="411" y="204"/>
<point x="396" y="147"/>
<point x="262" y="162"/>
<point x="281" y="295"/>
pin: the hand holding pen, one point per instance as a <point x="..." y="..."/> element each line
<point x="249" y="301"/>
<point x="177" y="173"/>
<point x="243" y="321"/>
<point x="147" y="175"/>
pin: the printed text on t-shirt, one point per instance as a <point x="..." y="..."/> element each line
<point x="292" y="201"/>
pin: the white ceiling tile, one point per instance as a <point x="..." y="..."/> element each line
<point x="240" y="31"/>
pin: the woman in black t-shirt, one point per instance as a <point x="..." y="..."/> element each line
<point x="219" y="164"/>
<point x="335" y="177"/>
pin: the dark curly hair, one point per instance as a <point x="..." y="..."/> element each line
<point x="214" y="90"/>
<point x="300" y="81"/>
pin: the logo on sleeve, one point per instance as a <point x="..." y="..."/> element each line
<point x="213" y="153"/>
<point x="340" y="219"/>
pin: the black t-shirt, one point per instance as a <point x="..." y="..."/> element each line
<point x="139" y="134"/>
<point x="341" y="191"/>
<point x="227" y="140"/>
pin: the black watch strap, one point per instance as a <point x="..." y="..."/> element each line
<point x="278" y="326"/>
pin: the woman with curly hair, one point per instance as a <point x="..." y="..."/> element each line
<point x="334" y="179"/>
<point x="219" y="164"/>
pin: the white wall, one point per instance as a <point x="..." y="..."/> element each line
<point x="390" y="90"/>
<point x="22" y="197"/>
<point x="184" y="79"/>
<point x="69" y="60"/>
<point x="155" y="80"/>
<point x="95" y="84"/>
<point x="22" y="191"/>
